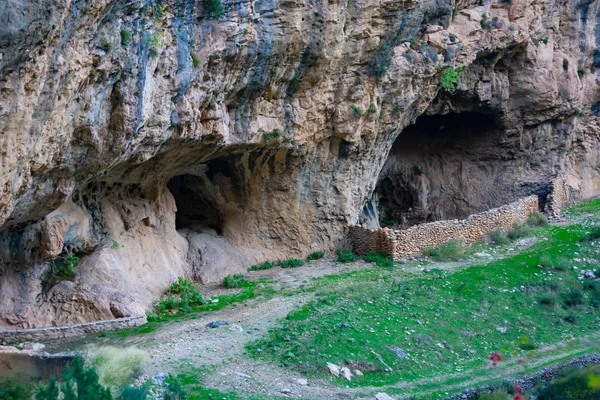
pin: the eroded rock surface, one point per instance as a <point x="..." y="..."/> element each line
<point x="270" y="126"/>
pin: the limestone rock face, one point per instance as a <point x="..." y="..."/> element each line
<point x="124" y="122"/>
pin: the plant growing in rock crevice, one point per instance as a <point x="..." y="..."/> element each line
<point x="356" y="110"/>
<point x="271" y="136"/>
<point x="450" y="78"/>
<point x="214" y="8"/>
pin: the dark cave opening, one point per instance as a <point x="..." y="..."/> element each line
<point x="436" y="169"/>
<point x="196" y="206"/>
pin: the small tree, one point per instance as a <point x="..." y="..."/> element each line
<point x="214" y="8"/>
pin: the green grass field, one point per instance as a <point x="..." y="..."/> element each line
<point x="444" y="323"/>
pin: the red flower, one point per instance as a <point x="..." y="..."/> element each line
<point x="495" y="357"/>
<point x="520" y="361"/>
<point x="518" y="396"/>
<point x="518" y="388"/>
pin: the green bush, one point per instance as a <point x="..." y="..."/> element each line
<point x="271" y="136"/>
<point x="153" y="52"/>
<point x="345" y="256"/>
<point x="13" y="390"/>
<point x="78" y="382"/>
<point x="116" y="367"/>
<point x="214" y="8"/>
<point x="572" y="298"/>
<point x="547" y="300"/>
<point x="291" y="263"/>
<point x="175" y="390"/>
<point x="65" y="265"/>
<point x="264" y="265"/>
<point x="234" y="281"/>
<point x="498" y="237"/>
<point x="135" y="392"/>
<point x="450" y="78"/>
<point x="372" y="108"/>
<point x="188" y="296"/>
<point x="484" y="22"/>
<point x="519" y="231"/>
<point x="573" y="385"/>
<point x="125" y="37"/>
<point x="537" y="219"/>
<point x="196" y="60"/>
<point x="315" y="255"/>
<point x="593" y="234"/>
<point x="453" y="250"/>
<point x="379" y="259"/>
<point x="356" y="110"/>
<point x="105" y="45"/>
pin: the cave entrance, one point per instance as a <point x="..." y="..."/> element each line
<point x="441" y="167"/>
<point x="197" y="207"/>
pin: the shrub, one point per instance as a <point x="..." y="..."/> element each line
<point x="188" y="296"/>
<point x="65" y="265"/>
<point x="345" y="256"/>
<point x="555" y="262"/>
<point x="498" y="237"/>
<point x="453" y="13"/>
<point x="382" y="61"/>
<point x="572" y="385"/>
<point x="537" y="219"/>
<point x="214" y="8"/>
<point x="234" y="281"/>
<point x="153" y="52"/>
<point x="264" y="265"/>
<point x="452" y="37"/>
<point x="372" y="108"/>
<point x="105" y="45"/>
<point x="565" y="64"/>
<point x="196" y="60"/>
<point x="450" y="78"/>
<point x="315" y="255"/>
<point x="518" y="231"/>
<point x="125" y="37"/>
<point x="356" y="110"/>
<point x="271" y="136"/>
<point x="79" y="382"/>
<point x="453" y="250"/>
<point x="484" y="22"/>
<point x="593" y="234"/>
<point x="175" y="390"/>
<point x="547" y="300"/>
<point x="135" y="392"/>
<point x="580" y="72"/>
<point x="13" y="390"/>
<point x="379" y="259"/>
<point x="116" y="367"/>
<point x="572" y="298"/>
<point x="291" y="263"/>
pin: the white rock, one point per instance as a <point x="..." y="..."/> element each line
<point x="383" y="396"/>
<point x="302" y="381"/>
<point x="334" y="369"/>
<point x="346" y="373"/>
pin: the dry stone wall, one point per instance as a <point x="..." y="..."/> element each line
<point x="399" y="244"/>
<point x="560" y="196"/>
<point x="59" y="332"/>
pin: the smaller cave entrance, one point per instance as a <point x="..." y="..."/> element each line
<point x="441" y="167"/>
<point x="197" y="207"/>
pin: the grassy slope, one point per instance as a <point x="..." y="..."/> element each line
<point x="446" y="324"/>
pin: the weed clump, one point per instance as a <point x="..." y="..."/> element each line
<point x="356" y="110"/>
<point x="196" y="62"/>
<point x="234" y="281"/>
<point x="345" y="256"/>
<point x="125" y="37"/>
<point x="593" y="234"/>
<point x="498" y="237"/>
<point x="453" y="250"/>
<point x="105" y="45"/>
<point x="116" y="366"/>
<point x="214" y="8"/>
<point x="291" y="263"/>
<point x="182" y="296"/>
<point x="264" y="265"/>
<point x="519" y="231"/>
<point x="379" y="259"/>
<point x="315" y="255"/>
<point x="450" y="78"/>
<point x="271" y="136"/>
<point x="78" y="382"/>
<point x="537" y="219"/>
<point x="572" y="298"/>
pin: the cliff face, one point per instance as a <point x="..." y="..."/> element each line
<point x="153" y="140"/>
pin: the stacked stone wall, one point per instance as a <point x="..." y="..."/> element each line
<point x="560" y="196"/>
<point x="400" y="244"/>
<point x="59" y="332"/>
